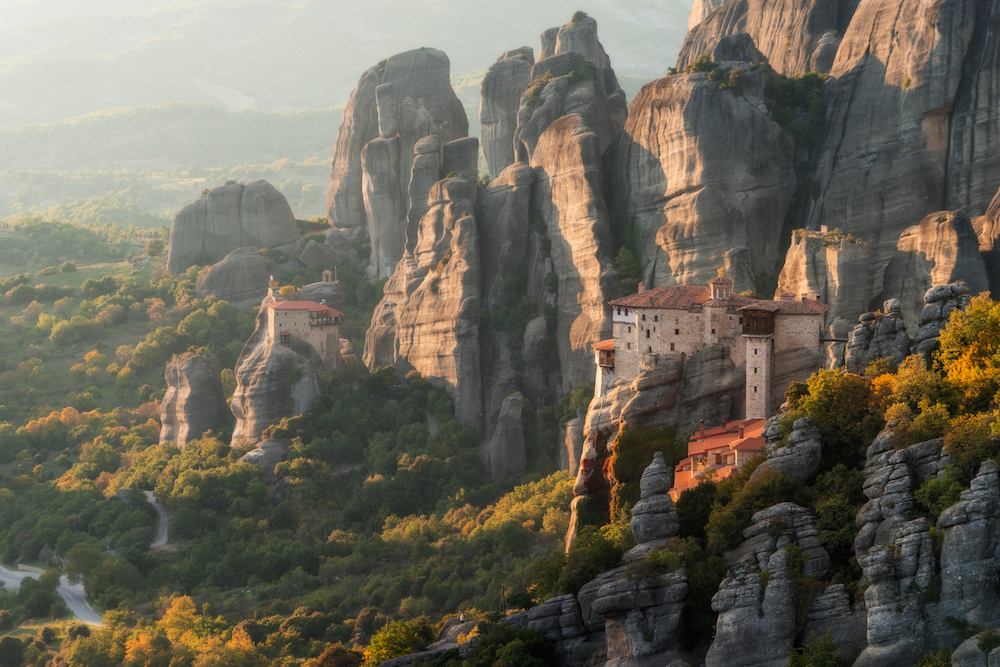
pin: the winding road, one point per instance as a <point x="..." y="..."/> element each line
<point x="73" y="594"/>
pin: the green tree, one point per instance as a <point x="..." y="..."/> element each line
<point x="11" y="651"/>
<point x="154" y="247"/>
<point x="399" y="638"/>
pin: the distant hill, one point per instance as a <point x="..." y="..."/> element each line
<point x="61" y="59"/>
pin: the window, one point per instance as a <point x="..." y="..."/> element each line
<point x="755" y="350"/>
<point x="643" y="318"/>
<point x="630" y="329"/>
<point x="656" y="318"/>
<point x="713" y="331"/>
<point x="677" y="332"/>
<point x="649" y="349"/>
<point x="671" y="347"/>
<point x="741" y="320"/>
<point x="629" y="346"/>
<point x="755" y="390"/>
<point x="755" y="370"/>
<point x="647" y="333"/>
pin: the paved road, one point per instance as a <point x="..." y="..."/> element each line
<point x="74" y="596"/>
<point x="160" y="539"/>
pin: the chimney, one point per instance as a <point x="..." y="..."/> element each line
<point x="701" y="428"/>
<point x="642" y="287"/>
<point x="742" y="426"/>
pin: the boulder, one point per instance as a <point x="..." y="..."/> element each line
<point x="330" y="294"/>
<point x="653" y="516"/>
<point x="228" y="217"/>
<point x="878" y="335"/>
<point x="241" y="278"/>
<point x="267" y="454"/>
<point x="322" y="257"/>
<point x="672" y="173"/>
<point x="799" y="458"/>
<point x="195" y="401"/>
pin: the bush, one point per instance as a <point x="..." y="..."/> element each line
<point x="726" y="523"/>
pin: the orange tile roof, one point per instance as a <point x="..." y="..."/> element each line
<point x="684" y="297"/>
<point x="311" y="306"/>
<point x="608" y="344"/>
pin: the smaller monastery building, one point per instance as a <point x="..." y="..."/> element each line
<point x="315" y="323"/>
<point x="679" y="320"/>
<point x="720" y="451"/>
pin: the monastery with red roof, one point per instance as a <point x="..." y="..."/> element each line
<point x="678" y="320"/>
<point x="312" y="322"/>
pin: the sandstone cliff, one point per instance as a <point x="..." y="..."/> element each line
<point x="428" y="320"/>
<point x="794" y="37"/>
<point x="500" y="98"/>
<point x="702" y="170"/>
<point x="195" y="401"/>
<point x="241" y="278"/>
<point x="395" y="105"/>
<point x="273" y="381"/>
<point x="228" y="217"/>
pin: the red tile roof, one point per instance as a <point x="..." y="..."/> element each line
<point x="683" y="297"/>
<point x="608" y="344"/>
<point x="311" y="306"/>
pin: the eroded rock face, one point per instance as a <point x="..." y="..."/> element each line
<point x="847" y="623"/>
<point x="501" y="96"/>
<point x="504" y="450"/>
<point x="654" y="516"/>
<point x="228" y="217"/>
<point x="878" y="335"/>
<point x="942" y="249"/>
<point x="835" y="268"/>
<point x="672" y="171"/>
<point x="988" y="230"/>
<point x="882" y="163"/>
<point x="799" y="458"/>
<point x="273" y="381"/>
<point x="241" y="278"/>
<point x="795" y="37"/>
<point x="410" y="95"/>
<point x="750" y="608"/>
<point x="939" y="303"/>
<point x="428" y="320"/>
<point x="194" y="402"/>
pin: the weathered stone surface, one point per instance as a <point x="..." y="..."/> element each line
<point x="267" y="454"/>
<point x="241" y="278"/>
<point x="700" y="10"/>
<point x="654" y="516"/>
<point x="794" y="37"/>
<point x="702" y="171"/>
<point x="319" y="256"/>
<point x="330" y="294"/>
<point x="642" y="616"/>
<point x="194" y="402"/>
<point x="800" y="458"/>
<point x="501" y="91"/>
<point x="882" y="162"/>
<point x="428" y="320"/>
<point x="940" y="302"/>
<point x="383" y="203"/>
<point x="417" y="101"/>
<point x="461" y="158"/>
<point x="942" y="249"/>
<point x="273" y="381"/>
<point x="968" y="654"/>
<point x="775" y="528"/>
<point x="835" y="268"/>
<point x="848" y="624"/>
<point x="557" y="618"/>
<point x="877" y="335"/>
<point x="228" y="217"/>
<point x="504" y="451"/>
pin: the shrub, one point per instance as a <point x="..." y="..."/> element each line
<point x="579" y="16"/>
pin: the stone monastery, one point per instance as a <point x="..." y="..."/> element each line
<point x="678" y="320"/>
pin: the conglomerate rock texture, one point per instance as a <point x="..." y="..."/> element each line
<point x="228" y="217"/>
<point x="702" y="170"/>
<point x="195" y="401"/>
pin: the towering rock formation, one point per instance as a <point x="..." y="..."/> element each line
<point x="795" y="37"/>
<point x="273" y="381"/>
<point x="702" y="170"/>
<point x="241" y="278"/>
<point x="397" y="103"/>
<point x="194" y="402"/>
<point x="988" y="230"/>
<point x="228" y="217"/>
<point x="884" y="158"/>
<point x="941" y="250"/>
<point x="940" y="302"/>
<point x="878" y="335"/>
<point x="501" y="95"/>
<point x="428" y="320"/>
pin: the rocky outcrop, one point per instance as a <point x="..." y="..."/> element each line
<point x="942" y="249"/>
<point x="399" y="102"/>
<point x="671" y="172"/>
<point x="939" y="303"/>
<point x="273" y="381"/>
<point x="195" y="401"/>
<point x="572" y="448"/>
<point x="968" y="654"/>
<point x="330" y="294"/>
<point x="323" y="257"/>
<point x="504" y="451"/>
<point x="653" y="516"/>
<point x="228" y="217"/>
<point x="428" y="319"/>
<point x="988" y="230"/>
<point x="501" y="92"/>
<point x="878" y="335"/>
<point x="832" y="266"/>
<point x="241" y="278"/>
<point x="751" y="605"/>
<point x="883" y="160"/>
<point x="847" y="623"/>
<point x="267" y="454"/>
<point x="794" y="37"/>
<point x="799" y="457"/>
